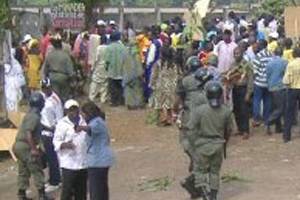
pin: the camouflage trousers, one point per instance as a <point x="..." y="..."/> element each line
<point x="28" y="166"/>
<point x="207" y="168"/>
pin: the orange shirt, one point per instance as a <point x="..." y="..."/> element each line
<point x="143" y="44"/>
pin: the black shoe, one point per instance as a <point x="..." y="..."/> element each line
<point x="203" y="193"/>
<point x="213" y="194"/>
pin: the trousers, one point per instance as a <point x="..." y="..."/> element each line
<point x="241" y="108"/>
<point x="28" y="166"/>
<point x="115" y="92"/>
<point x="74" y="184"/>
<point x="99" y="88"/>
<point x="293" y="95"/>
<point x="207" y="169"/>
<point x="98" y="183"/>
<point x="278" y="107"/>
<point x="261" y="94"/>
<point x="52" y="160"/>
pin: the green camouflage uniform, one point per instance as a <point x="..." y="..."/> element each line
<point x="193" y="96"/>
<point x="27" y="164"/>
<point x="208" y="126"/>
<point x="59" y="69"/>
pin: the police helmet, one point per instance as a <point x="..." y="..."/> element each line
<point x="203" y="76"/>
<point x="193" y="63"/>
<point x="214" y="93"/>
<point x="36" y="100"/>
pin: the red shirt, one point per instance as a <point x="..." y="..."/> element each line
<point x="44" y="44"/>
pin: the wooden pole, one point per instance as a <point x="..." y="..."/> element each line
<point x="157" y="12"/>
<point x="122" y="13"/>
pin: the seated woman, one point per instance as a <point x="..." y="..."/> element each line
<point x="99" y="155"/>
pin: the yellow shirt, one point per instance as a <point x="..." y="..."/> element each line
<point x="272" y="46"/>
<point x="143" y="44"/>
<point x="292" y="75"/>
<point x="288" y="55"/>
<point x="175" y="39"/>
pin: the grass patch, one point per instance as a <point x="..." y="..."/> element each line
<point x="155" y="185"/>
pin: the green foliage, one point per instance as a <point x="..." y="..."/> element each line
<point x="148" y="2"/>
<point x="155" y="185"/>
<point x="4" y="12"/>
<point x="275" y="7"/>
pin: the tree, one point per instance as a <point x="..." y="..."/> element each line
<point x="4" y="12"/>
<point x="275" y="7"/>
<point x="89" y="6"/>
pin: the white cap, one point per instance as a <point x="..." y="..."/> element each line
<point x="26" y="38"/>
<point x="112" y="22"/>
<point x="100" y="22"/>
<point x="71" y="103"/>
<point x="274" y="35"/>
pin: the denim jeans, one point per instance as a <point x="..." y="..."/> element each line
<point x="293" y="96"/>
<point x="52" y="161"/>
<point x="261" y="94"/>
<point x="278" y="108"/>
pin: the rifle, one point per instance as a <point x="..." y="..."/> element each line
<point x="226" y="137"/>
<point x="225" y="150"/>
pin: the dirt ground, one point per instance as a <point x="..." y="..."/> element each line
<point x="267" y="168"/>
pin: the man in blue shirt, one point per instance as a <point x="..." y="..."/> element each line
<point x="275" y="71"/>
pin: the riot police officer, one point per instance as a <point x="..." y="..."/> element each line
<point x="211" y="125"/>
<point x="190" y="94"/>
<point x="27" y="150"/>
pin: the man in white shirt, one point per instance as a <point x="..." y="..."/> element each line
<point x="71" y="149"/>
<point x="51" y="113"/>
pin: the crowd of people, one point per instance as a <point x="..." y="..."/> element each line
<point x="250" y="66"/>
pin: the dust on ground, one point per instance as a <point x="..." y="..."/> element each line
<point x="268" y="169"/>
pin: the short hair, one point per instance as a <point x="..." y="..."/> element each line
<point x="296" y="52"/>
<point x="263" y="44"/>
<point x="228" y="32"/>
<point x="288" y="43"/>
<point x="92" y="110"/>
<point x="103" y="39"/>
<point x="278" y="51"/>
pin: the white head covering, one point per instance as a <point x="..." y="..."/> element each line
<point x="26" y="38"/>
<point x="274" y="35"/>
<point x="112" y="22"/>
<point x="70" y="103"/>
<point x="100" y="22"/>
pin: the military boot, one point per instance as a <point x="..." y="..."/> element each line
<point x="22" y="195"/>
<point x="203" y="193"/>
<point x="189" y="186"/>
<point x="213" y="194"/>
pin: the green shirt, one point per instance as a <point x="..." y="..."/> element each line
<point x="209" y="125"/>
<point x="58" y="61"/>
<point x="192" y="96"/>
<point x="30" y="124"/>
<point x="245" y="69"/>
<point x="116" y="55"/>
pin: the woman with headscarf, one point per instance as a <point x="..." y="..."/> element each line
<point x="14" y="81"/>
<point x="34" y="63"/>
<point x="167" y="81"/>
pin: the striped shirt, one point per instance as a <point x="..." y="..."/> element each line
<point x="259" y="68"/>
